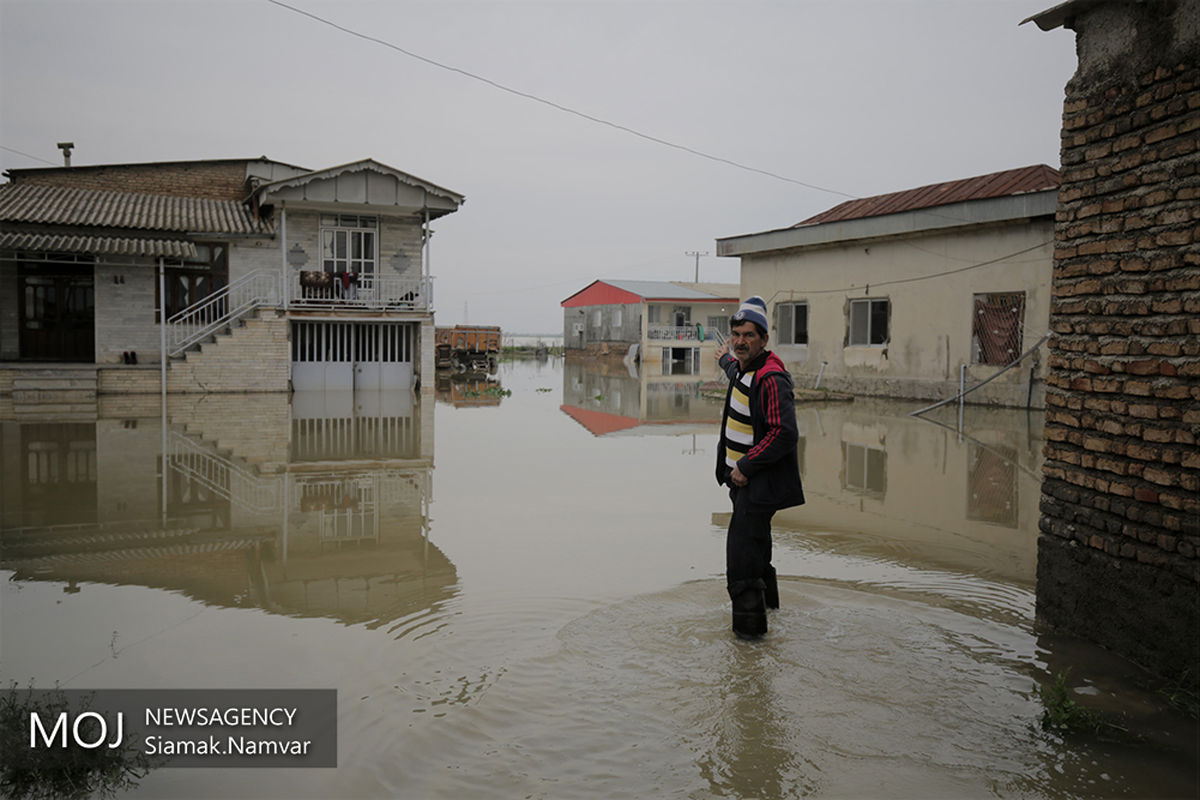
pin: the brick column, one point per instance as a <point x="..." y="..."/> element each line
<point x="1120" y="526"/>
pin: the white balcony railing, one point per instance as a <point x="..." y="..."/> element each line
<point x="371" y="292"/>
<point x="227" y="304"/>
<point x="676" y="332"/>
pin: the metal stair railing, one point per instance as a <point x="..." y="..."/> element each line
<point x="243" y="488"/>
<point x="227" y="304"/>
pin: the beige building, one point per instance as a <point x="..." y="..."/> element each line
<point x="911" y="293"/>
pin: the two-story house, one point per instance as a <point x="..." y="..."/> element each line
<point x="223" y="275"/>
<point x="664" y="319"/>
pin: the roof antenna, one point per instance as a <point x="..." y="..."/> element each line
<point x="66" y="148"/>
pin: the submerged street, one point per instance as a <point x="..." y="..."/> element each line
<point x="517" y="589"/>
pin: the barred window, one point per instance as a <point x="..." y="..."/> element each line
<point x="996" y="327"/>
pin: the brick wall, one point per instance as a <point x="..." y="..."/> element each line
<point x="1121" y="493"/>
<point x="223" y="180"/>
<point x="255" y="357"/>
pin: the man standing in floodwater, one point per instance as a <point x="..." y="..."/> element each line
<point x="756" y="458"/>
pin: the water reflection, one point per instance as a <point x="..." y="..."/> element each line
<point x="468" y="389"/>
<point x="317" y="506"/>
<point x="884" y="485"/>
<point x="607" y="398"/>
<point x="554" y="623"/>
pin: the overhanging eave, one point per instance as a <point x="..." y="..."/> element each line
<point x="1009" y="208"/>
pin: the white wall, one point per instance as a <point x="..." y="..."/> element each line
<point x="931" y="319"/>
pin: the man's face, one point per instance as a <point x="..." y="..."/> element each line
<point x="746" y="342"/>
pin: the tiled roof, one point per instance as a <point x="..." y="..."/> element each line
<point x="997" y="184"/>
<point x="55" y="205"/>
<point x="98" y="245"/>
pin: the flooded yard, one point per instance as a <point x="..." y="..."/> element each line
<point x="516" y="587"/>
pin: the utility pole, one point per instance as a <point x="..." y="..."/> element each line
<point x="697" y="254"/>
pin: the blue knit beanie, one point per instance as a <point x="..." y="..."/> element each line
<point x="753" y="309"/>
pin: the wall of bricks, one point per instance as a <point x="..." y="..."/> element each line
<point x="223" y="180"/>
<point x="1121" y="493"/>
<point x="255" y="357"/>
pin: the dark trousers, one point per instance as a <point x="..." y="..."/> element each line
<point x="747" y="546"/>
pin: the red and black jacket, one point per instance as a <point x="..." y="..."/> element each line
<point x="771" y="464"/>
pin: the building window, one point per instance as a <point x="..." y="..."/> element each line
<point x="616" y="320"/>
<point x="792" y="327"/>
<point x="719" y="323"/>
<point x="195" y="278"/>
<point x="996" y="328"/>
<point x="869" y="322"/>
<point x="597" y="318"/>
<point x="652" y="314"/>
<point x="348" y="243"/>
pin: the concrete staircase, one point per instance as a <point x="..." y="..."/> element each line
<point x="66" y="393"/>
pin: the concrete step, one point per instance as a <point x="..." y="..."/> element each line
<point x="55" y="384"/>
<point x="54" y="395"/>
<point x="64" y="412"/>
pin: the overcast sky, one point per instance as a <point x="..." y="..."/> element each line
<point x="855" y="97"/>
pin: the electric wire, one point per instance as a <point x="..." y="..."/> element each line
<point x="588" y="117"/>
<point x="867" y="286"/>
<point x="557" y="106"/>
<point x="27" y="155"/>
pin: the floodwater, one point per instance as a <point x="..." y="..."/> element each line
<point x="516" y="588"/>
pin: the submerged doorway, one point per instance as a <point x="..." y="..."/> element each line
<point x="352" y="356"/>
<point x="57" y="312"/>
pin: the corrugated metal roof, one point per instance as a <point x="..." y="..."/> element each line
<point x="96" y="245"/>
<point x="997" y="184"/>
<point x="56" y="205"/>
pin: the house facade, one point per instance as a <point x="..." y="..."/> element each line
<point x="270" y="276"/>
<point x="915" y="293"/>
<point x="660" y="317"/>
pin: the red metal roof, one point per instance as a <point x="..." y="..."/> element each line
<point x="600" y="293"/>
<point x="599" y="422"/>
<point x="1036" y="178"/>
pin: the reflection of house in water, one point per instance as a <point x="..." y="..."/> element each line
<point x="913" y="491"/>
<point x="607" y="398"/>
<point x="315" y="507"/>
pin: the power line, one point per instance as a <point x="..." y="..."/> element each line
<point x="27" y="155"/>
<point x="898" y="281"/>
<point x="557" y="106"/>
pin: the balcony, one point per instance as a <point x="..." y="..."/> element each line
<point x="672" y="332"/>
<point x="330" y="291"/>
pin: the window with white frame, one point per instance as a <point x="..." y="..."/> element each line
<point x="869" y="322"/>
<point x="718" y="323"/>
<point x="617" y="316"/>
<point x="792" y="324"/>
<point x="597" y="318"/>
<point x="349" y="243"/>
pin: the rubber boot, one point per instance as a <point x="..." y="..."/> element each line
<point x="750" y="614"/>
<point x="771" y="593"/>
